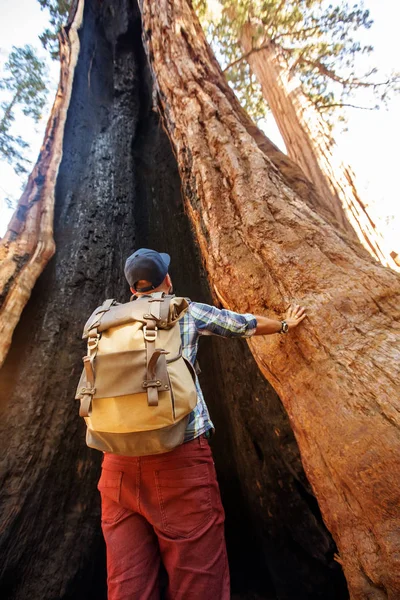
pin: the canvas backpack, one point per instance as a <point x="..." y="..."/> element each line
<point x="136" y="389"/>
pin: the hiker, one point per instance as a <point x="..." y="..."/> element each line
<point x="167" y="506"/>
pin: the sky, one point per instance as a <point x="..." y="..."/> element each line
<point x="15" y="31"/>
<point x="370" y="145"/>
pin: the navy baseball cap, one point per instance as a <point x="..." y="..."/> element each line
<point x="149" y="265"/>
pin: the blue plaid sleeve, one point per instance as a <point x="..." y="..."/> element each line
<point x="210" y="320"/>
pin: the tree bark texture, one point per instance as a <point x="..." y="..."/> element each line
<point x="28" y="243"/>
<point x="310" y="144"/>
<point x="118" y="188"/>
<point x="264" y="248"/>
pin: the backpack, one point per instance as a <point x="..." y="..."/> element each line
<point x="136" y="389"/>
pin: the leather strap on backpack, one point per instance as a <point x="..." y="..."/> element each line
<point x="157" y="310"/>
<point x="88" y="361"/>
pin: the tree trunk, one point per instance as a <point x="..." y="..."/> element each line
<point x="8" y="111"/>
<point x="28" y="243"/>
<point x="264" y="248"/>
<point x="118" y="188"/>
<point x="310" y="145"/>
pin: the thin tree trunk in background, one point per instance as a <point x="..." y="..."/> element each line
<point x="9" y="109"/>
<point x="310" y="144"/>
<point x="118" y="189"/>
<point x="28" y="243"/>
<point x="337" y="375"/>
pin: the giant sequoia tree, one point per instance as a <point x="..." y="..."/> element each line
<point x="300" y="52"/>
<point x="264" y="242"/>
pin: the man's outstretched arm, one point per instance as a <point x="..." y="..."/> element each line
<point x="210" y="320"/>
<point x="266" y="326"/>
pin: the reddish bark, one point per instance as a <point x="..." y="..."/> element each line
<point x="311" y="146"/>
<point x="265" y="248"/>
<point x="28" y="243"/>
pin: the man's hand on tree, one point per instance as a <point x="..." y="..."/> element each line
<point x="295" y="315"/>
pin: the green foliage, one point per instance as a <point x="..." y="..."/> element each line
<point x="248" y="90"/>
<point x="316" y="39"/>
<point x="24" y="87"/>
<point x="59" y="10"/>
<point x="240" y="79"/>
<point x="200" y="6"/>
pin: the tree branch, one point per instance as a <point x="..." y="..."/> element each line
<point x="246" y="55"/>
<point x="293" y="34"/>
<point x="323" y="69"/>
<point x="8" y="111"/>
<point x="324" y="106"/>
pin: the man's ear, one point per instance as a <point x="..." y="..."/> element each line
<point x="168" y="281"/>
<point x="133" y="290"/>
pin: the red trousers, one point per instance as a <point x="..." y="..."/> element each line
<point x="164" y="508"/>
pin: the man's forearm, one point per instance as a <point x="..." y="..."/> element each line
<point x="267" y="326"/>
<point x="294" y="315"/>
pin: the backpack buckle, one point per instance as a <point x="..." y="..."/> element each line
<point x="93" y="342"/>
<point x="87" y="391"/>
<point x="150" y="335"/>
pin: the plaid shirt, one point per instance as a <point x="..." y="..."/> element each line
<point x="202" y="319"/>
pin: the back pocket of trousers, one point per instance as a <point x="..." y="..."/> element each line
<point x="109" y="487"/>
<point x="185" y="498"/>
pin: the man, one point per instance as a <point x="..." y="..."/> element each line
<point x="167" y="507"/>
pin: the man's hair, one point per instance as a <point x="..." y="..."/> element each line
<point x="143" y="284"/>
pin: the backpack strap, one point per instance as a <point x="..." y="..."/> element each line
<point x="164" y="310"/>
<point x="89" y="391"/>
<point x="150" y="336"/>
<point x="156" y="311"/>
<point x="88" y="360"/>
<point x="99" y="312"/>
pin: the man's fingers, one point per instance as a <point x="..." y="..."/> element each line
<point x="294" y="321"/>
<point x="296" y="311"/>
<point x="295" y="315"/>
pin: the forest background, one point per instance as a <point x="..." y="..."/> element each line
<point x="367" y="140"/>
